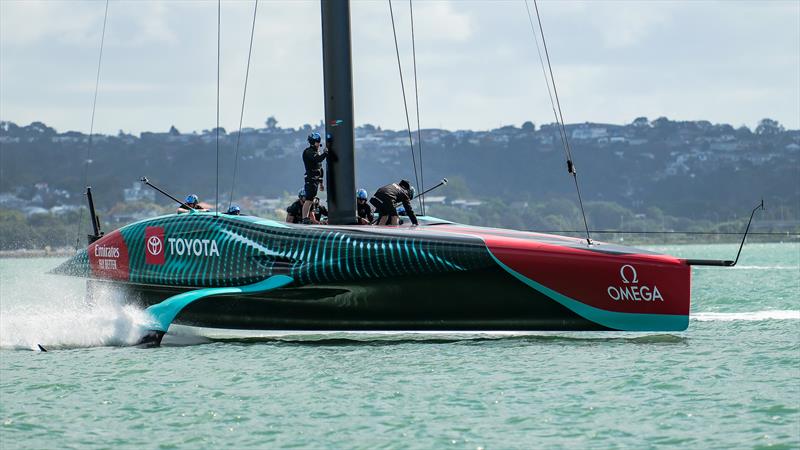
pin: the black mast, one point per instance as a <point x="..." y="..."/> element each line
<point x="338" y="74"/>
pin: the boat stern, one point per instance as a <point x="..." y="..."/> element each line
<point x="626" y="291"/>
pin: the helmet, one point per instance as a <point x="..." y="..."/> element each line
<point x="234" y="210"/>
<point x="191" y="199"/>
<point x="362" y="194"/>
<point x="301" y="193"/>
<point x="405" y="184"/>
<point x="314" y="137"/>
<point x="411" y="192"/>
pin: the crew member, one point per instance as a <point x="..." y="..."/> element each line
<point x="312" y="160"/>
<point x="318" y="211"/>
<point x="193" y="202"/>
<point x="294" y="213"/>
<point x="363" y="209"/>
<point x="386" y="199"/>
<point x="234" y="210"/>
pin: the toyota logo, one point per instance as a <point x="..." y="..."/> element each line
<point x="154" y="245"/>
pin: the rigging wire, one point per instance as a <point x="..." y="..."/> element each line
<point x="705" y="233"/>
<point x="546" y="78"/>
<point x="560" y="117"/>
<point x="91" y="125"/>
<point x="219" y="14"/>
<point x="405" y="102"/>
<point x="241" y="114"/>
<point x="416" y="99"/>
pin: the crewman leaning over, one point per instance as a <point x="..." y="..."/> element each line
<point x="386" y="199"/>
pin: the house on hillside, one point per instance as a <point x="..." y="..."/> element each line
<point x="588" y="131"/>
<point x="137" y="193"/>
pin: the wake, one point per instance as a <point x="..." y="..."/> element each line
<point x="747" y="316"/>
<point x="766" y="268"/>
<point x="73" y="323"/>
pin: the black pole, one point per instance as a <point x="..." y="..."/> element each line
<point x="441" y="183"/>
<point x="338" y="75"/>
<point x="728" y="263"/>
<point x="93" y="214"/>
<point x="147" y="182"/>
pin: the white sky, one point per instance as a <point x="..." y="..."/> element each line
<point x="724" y="61"/>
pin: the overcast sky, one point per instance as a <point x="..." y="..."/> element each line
<point x="725" y="61"/>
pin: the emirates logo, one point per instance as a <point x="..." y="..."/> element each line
<point x="154" y="245"/>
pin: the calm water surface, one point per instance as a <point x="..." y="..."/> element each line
<point x="731" y="381"/>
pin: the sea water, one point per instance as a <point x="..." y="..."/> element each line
<point x="732" y="380"/>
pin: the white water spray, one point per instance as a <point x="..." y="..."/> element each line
<point x="52" y="311"/>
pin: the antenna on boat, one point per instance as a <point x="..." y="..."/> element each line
<point x="147" y="182"/>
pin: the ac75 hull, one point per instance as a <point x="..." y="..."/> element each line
<point x="438" y="276"/>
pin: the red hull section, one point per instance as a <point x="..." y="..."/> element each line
<point x="108" y="258"/>
<point x="646" y="291"/>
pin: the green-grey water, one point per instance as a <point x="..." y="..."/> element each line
<point x="732" y="380"/>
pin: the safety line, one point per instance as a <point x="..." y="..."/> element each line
<point x="416" y="99"/>
<point x="560" y="117"/>
<point x="241" y="114"/>
<point x="405" y="103"/>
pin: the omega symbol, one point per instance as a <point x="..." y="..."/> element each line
<point x="634" y="278"/>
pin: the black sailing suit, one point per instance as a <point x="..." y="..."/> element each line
<point x="386" y="199"/>
<point x="312" y="160"/>
<point x="296" y="211"/>
<point x="364" y="211"/>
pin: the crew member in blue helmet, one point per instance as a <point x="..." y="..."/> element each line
<point x="363" y="209"/>
<point x="193" y="202"/>
<point x="294" y="213"/>
<point x="234" y="210"/>
<point x="386" y="199"/>
<point x="312" y="160"/>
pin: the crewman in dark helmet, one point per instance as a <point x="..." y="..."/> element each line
<point x="312" y="160"/>
<point x="386" y="199"/>
<point x="193" y="202"/>
<point x="295" y="211"/>
<point x="363" y="210"/>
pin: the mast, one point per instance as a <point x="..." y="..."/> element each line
<point x="338" y="74"/>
